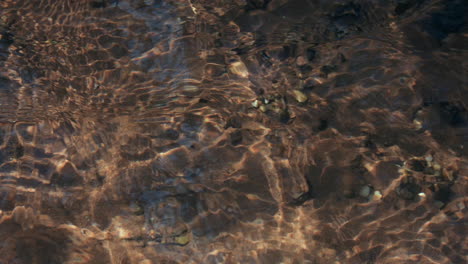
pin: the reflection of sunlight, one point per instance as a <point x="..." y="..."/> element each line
<point x="200" y="131"/>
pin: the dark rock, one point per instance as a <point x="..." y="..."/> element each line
<point x="256" y="4"/>
<point x="288" y="51"/>
<point x="404" y="5"/>
<point x="234" y="122"/>
<point x="236" y="137"/>
<point x="453" y="113"/>
<point x="6" y="39"/>
<point x="141" y="156"/>
<point x="449" y="20"/>
<point x="327" y="69"/>
<point x="311" y="53"/>
<point x="305" y="68"/>
<point x="284" y="116"/>
<point x="409" y="189"/>
<point x="171" y="134"/>
<point x="98" y="3"/>
<point x="417" y="164"/>
<point x="443" y="193"/>
<point x="347" y="10"/>
<point x="323" y="125"/>
<point x="203" y="101"/>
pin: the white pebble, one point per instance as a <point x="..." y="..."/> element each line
<point x="429" y="160"/>
<point x="255" y="103"/>
<point x="418" y="124"/>
<point x="377" y="195"/>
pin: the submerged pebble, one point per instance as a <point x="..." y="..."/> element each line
<point x="365" y="191"/>
<point x="299" y="96"/>
<point x="429" y="160"/>
<point x="301" y="61"/>
<point x="239" y="68"/>
<point x="190" y="88"/>
<point x="255" y="103"/>
<point x="210" y="124"/>
<point x="183" y="239"/>
<point x="377" y="196"/>
<point x="418" y="124"/>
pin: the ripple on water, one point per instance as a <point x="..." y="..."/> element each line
<point x="232" y="131"/>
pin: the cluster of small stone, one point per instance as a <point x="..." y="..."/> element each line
<point x="433" y="178"/>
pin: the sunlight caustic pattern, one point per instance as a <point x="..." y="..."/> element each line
<point x="227" y="131"/>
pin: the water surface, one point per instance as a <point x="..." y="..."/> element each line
<point x="229" y="131"/>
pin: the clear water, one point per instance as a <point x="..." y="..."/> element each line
<point x="233" y="131"/>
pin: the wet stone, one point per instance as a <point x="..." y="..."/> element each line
<point x="405" y="5"/>
<point x="118" y="51"/>
<point x="443" y="193"/>
<point x="300" y="96"/>
<point x="416" y="164"/>
<point x="377" y="195"/>
<point x="408" y="190"/>
<point x="323" y="124"/>
<point x="311" y="53"/>
<point x="365" y="191"/>
<point x="284" y="116"/>
<point x="327" y="69"/>
<point x="171" y="134"/>
<point x="255" y="104"/>
<point x="2" y="135"/>
<point x="98" y="3"/>
<point x="300" y="61"/>
<point x="287" y="51"/>
<point x="234" y="122"/>
<point x="236" y="137"/>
